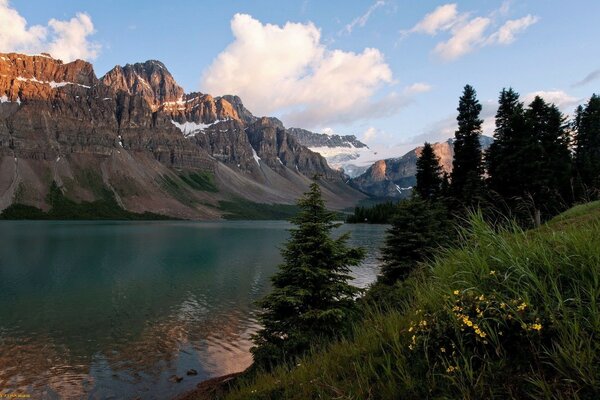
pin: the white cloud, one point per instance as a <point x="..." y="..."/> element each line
<point x="362" y="20"/>
<point x="464" y="39"/>
<point x="67" y="40"/>
<point x="288" y="70"/>
<point x="442" y="18"/>
<point x="507" y="32"/>
<point x="469" y="33"/>
<point x="418" y="87"/>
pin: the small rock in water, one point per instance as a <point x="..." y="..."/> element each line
<point x="192" y="372"/>
<point x="175" y="378"/>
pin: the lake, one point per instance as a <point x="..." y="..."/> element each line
<point x="112" y="310"/>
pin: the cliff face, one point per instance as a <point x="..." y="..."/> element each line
<point x="395" y="177"/>
<point x="136" y="133"/>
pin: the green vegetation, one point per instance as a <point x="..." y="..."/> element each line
<point x="311" y="300"/>
<point x="63" y="208"/>
<point x="507" y="314"/>
<point x="239" y="209"/>
<point x="203" y="181"/>
<point x="469" y="304"/>
<point x="466" y="183"/>
<point x="587" y="156"/>
<point x="418" y="228"/>
<point x="429" y="174"/>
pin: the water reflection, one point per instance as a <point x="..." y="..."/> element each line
<point x="94" y="310"/>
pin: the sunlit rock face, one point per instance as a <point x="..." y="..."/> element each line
<point x="135" y="132"/>
<point x="395" y="177"/>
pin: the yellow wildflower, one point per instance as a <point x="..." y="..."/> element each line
<point x="537" y="327"/>
<point x="492" y="272"/>
<point x="456" y="292"/>
<point x="522" y="306"/>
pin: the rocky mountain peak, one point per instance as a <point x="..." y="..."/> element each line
<point x="41" y="77"/>
<point x="151" y="80"/>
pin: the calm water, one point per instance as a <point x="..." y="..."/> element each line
<point x="107" y="310"/>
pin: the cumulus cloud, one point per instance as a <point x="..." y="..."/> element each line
<point x="467" y="32"/>
<point x="288" y="71"/>
<point x="67" y="40"/>
<point x="362" y="20"/>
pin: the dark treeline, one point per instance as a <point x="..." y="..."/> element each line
<point x="539" y="165"/>
<point x="378" y="214"/>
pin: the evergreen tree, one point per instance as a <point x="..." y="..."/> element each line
<point x="311" y="298"/>
<point x="587" y="156"/>
<point x="506" y="157"/>
<point x="418" y="228"/>
<point x="429" y="174"/>
<point x="550" y="177"/>
<point x="467" y="166"/>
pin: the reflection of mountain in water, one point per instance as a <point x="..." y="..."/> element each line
<point x="117" y="308"/>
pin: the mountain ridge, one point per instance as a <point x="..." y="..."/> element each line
<point x="126" y="132"/>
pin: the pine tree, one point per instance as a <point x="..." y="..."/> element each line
<point x="429" y="174"/>
<point x="467" y="166"/>
<point x="418" y="228"/>
<point x="311" y="298"/>
<point x="587" y="156"/>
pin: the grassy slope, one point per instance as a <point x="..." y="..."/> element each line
<point x="509" y="315"/>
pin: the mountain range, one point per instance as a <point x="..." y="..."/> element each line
<point x="134" y="135"/>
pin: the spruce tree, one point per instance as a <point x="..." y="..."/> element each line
<point x="311" y="298"/>
<point x="429" y="174"/>
<point x="418" y="228"/>
<point x="550" y="176"/>
<point x="467" y="166"/>
<point x="506" y="156"/>
<point x="587" y="155"/>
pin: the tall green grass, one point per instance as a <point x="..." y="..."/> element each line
<point x="531" y="298"/>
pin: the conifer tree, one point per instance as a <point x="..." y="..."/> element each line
<point x="551" y="173"/>
<point x="507" y="157"/>
<point x="429" y="174"/>
<point x="311" y="298"/>
<point x="587" y="156"/>
<point x="418" y="228"/>
<point x="467" y="166"/>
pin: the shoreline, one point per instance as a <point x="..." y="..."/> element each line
<point x="209" y="388"/>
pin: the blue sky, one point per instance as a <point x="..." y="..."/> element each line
<point x="382" y="70"/>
